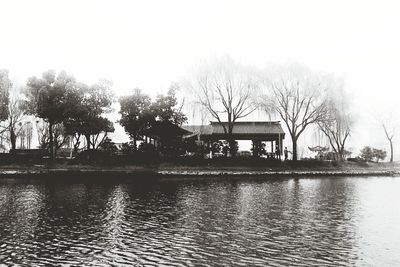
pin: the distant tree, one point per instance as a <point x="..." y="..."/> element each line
<point x="258" y="148"/>
<point x="136" y="114"/>
<point x="337" y="121"/>
<point x="11" y="111"/>
<point x="389" y="130"/>
<point x="297" y="94"/>
<point x="5" y="86"/>
<point x="108" y="145"/>
<point x="216" y="147"/>
<point x="367" y="153"/>
<point x="42" y="133"/>
<point x="29" y="134"/>
<point x="226" y="89"/>
<point x="378" y="154"/>
<point x="47" y="99"/>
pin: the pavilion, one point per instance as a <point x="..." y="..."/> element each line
<point x="269" y="131"/>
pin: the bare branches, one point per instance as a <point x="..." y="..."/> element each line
<point x="298" y="96"/>
<point x="226" y="90"/>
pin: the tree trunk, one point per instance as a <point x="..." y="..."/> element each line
<point x="294" y="144"/>
<point x="51" y="141"/>
<point x="87" y="136"/>
<point x="13" y="140"/>
<point x="391" y="151"/>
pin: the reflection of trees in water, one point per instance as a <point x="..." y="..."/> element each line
<point x="324" y="230"/>
<point x="21" y="209"/>
<point x="70" y="220"/>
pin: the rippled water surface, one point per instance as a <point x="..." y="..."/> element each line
<point x="275" y="222"/>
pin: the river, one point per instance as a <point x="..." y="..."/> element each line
<point x="344" y="221"/>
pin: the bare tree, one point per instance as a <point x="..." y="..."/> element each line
<point x="389" y="130"/>
<point x="42" y="131"/>
<point x="298" y="95"/>
<point x="226" y="90"/>
<point x="15" y="113"/>
<point x="337" y="122"/>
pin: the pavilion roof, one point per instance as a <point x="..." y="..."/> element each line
<point x="240" y="128"/>
<point x="165" y="129"/>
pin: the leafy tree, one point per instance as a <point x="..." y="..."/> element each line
<point x="379" y="154"/>
<point x="135" y="114"/>
<point x="84" y="115"/>
<point x="138" y="113"/>
<point x="47" y="98"/>
<point x="367" y="153"/>
<point x="164" y="108"/>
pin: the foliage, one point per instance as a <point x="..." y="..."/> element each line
<point x="88" y="104"/>
<point x="48" y="98"/>
<point x="146" y="148"/>
<point x="138" y="113"/>
<point x="368" y="154"/>
<point x="258" y="148"/>
<point x="164" y="108"/>
<point x="379" y="154"/>
<point x="108" y="146"/>
<point x="135" y="114"/>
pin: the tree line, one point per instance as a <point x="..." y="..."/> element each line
<point x="66" y="108"/>
<point x="228" y="91"/>
<point x="223" y="90"/>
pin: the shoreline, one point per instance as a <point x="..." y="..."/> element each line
<point x="93" y="172"/>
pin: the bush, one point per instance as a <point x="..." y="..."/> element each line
<point x="368" y="154"/>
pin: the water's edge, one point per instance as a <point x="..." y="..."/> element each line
<point x="37" y="173"/>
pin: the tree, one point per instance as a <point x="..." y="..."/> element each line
<point x="298" y="95"/>
<point x="11" y="111"/>
<point x="42" y="133"/>
<point x="337" y="122"/>
<point x="225" y="89"/>
<point x="165" y="107"/>
<point x="379" y="154"/>
<point x="389" y="133"/>
<point x="367" y="153"/>
<point x="5" y="86"/>
<point x="135" y="114"/>
<point x="139" y="113"/>
<point x="47" y="98"/>
<point x="85" y="114"/>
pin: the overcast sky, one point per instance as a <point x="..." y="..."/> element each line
<point x="149" y="44"/>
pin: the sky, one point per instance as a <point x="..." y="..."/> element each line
<point x="150" y="44"/>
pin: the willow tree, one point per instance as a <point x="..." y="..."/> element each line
<point x="337" y="122"/>
<point x="297" y="94"/>
<point x="226" y="90"/>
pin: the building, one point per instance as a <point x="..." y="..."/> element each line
<point x="269" y="131"/>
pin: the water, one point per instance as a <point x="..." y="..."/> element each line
<point x="304" y="222"/>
